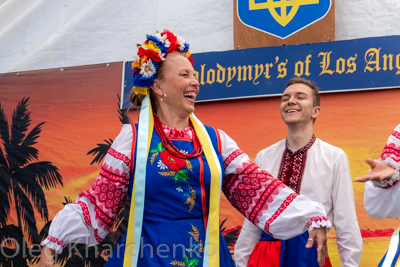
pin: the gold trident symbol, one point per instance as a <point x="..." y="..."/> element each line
<point x="284" y="18"/>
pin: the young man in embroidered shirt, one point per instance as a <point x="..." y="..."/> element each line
<point x="313" y="168"/>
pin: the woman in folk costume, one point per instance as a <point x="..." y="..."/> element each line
<point x="382" y="191"/>
<point x="173" y="168"/>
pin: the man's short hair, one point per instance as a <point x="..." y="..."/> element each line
<point x="312" y="85"/>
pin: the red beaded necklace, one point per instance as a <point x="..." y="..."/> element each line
<point x="172" y="149"/>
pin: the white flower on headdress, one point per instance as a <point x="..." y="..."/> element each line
<point x="162" y="55"/>
<point x="167" y="43"/>
<point x="136" y="58"/>
<point x="181" y="42"/>
<point x="159" y="37"/>
<point x="163" y="38"/>
<point x="147" y="69"/>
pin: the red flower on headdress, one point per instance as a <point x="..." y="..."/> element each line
<point x="174" y="164"/>
<point x="191" y="60"/>
<point x="149" y="53"/>
<point x="174" y="46"/>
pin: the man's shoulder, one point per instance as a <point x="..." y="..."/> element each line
<point x="327" y="147"/>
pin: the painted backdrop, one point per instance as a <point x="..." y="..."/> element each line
<point x="57" y="123"/>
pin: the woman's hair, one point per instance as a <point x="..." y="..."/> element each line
<point x="148" y="64"/>
<point x="137" y="99"/>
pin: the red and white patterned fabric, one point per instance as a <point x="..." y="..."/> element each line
<point x="380" y="199"/>
<point x="293" y="165"/>
<point x="254" y="192"/>
<point x="102" y="202"/>
<point x="185" y="133"/>
<point x="321" y="173"/>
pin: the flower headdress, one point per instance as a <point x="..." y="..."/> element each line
<point x="151" y="54"/>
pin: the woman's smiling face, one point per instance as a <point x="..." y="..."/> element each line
<point x="179" y="83"/>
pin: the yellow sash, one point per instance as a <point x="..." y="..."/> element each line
<point x="211" y="251"/>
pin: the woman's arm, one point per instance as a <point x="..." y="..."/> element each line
<point x="266" y="201"/>
<point x="89" y="218"/>
<point x="382" y="190"/>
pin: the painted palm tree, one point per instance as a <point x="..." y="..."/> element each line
<point x="100" y="151"/>
<point x="11" y="235"/>
<point x="230" y="235"/>
<point x="22" y="177"/>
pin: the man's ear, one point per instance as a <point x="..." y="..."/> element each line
<point x="317" y="111"/>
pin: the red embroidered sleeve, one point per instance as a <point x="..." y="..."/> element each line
<point x="88" y="221"/>
<point x="108" y="192"/>
<point x="391" y="156"/>
<point x="250" y="189"/>
<point x="392" y="147"/>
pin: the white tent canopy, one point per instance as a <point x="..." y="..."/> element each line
<point x="41" y="34"/>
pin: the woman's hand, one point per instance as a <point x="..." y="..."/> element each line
<point x="46" y="257"/>
<point x="379" y="172"/>
<point x="319" y="235"/>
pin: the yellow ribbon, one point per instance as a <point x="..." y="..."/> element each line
<point x="211" y="251"/>
<point x="146" y="125"/>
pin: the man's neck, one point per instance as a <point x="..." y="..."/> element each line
<point x="297" y="137"/>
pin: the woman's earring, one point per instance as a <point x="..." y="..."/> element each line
<point x="165" y="97"/>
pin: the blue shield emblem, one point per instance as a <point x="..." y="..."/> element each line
<point x="281" y="18"/>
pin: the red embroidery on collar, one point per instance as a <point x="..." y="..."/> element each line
<point x="172" y="132"/>
<point x="292" y="166"/>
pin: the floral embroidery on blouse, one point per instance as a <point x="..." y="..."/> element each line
<point x="177" y="169"/>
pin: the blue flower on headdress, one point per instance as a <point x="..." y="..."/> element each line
<point x="141" y="81"/>
<point x="185" y="47"/>
<point x="158" y="43"/>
